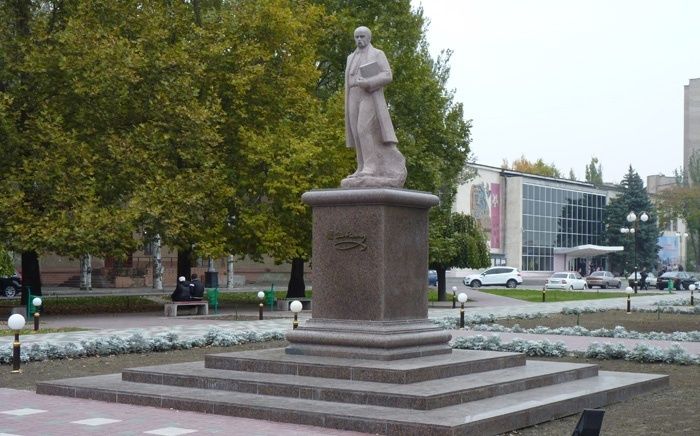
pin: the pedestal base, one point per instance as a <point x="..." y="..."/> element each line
<point x="379" y="340"/>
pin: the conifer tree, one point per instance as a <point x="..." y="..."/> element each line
<point x="633" y="198"/>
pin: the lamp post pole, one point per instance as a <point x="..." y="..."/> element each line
<point x="261" y="296"/>
<point x="37" y="304"/>
<point x="634" y="229"/>
<point x="462" y="297"/>
<point x="692" y="299"/>
<point x="681" y="237"/>
<point x="629" y="302"/>
<point x="16" y="322"/>
<point x="295" y="306"/>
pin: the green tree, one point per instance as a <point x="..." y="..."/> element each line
<point x="683" y="201"/>
<point x="459" y="243"/>
<point x="7" y="266"/>
<point x="633" y="198"/>
<point x="594" y="172"/>
<point x="538" y="167"/>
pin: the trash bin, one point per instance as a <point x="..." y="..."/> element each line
<point x="213" y="298"/>
<point x="211" y="279"/>
<point x="270" y="297"/>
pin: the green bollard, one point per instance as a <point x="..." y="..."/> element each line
<point x="270" y="296"/>
<point x="30" y="306"/>
<point x="213" y="297"/>
<point x="670" y="286"/>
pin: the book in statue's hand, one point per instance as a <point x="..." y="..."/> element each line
<point x="369" y="70"/>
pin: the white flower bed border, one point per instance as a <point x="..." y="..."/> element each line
<point x="640" y="353"/>
<point x="617" y="332"/>
<point x="136" y="343"/>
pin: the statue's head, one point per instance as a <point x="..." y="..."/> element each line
<point x="363" y="36"/>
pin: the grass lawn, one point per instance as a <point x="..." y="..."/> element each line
<point x="556" y="296"/>
<point x="30" y="331"/>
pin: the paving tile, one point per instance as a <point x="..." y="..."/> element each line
<point x="94" y="422"/>
<point x="23" y="412"/>
<point x="170" y="431"/>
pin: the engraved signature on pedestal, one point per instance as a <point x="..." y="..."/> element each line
<point x="343" y="241"/>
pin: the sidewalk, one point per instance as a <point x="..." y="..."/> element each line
<point x="152" y="324"/>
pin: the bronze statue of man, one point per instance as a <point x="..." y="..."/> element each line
<point x="368" y="127"/>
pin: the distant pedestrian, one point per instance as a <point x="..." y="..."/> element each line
<point x="196" y="288"/>
<point x="643" y="279"/>
<point x="182" y="290"/>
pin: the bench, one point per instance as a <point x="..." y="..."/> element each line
<point x="202" y="307"/>
<point x="283" y="304"/>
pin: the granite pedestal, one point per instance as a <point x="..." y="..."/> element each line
<point x="370" y="257"/>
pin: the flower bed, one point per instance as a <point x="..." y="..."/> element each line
<point x="136" y="343"/>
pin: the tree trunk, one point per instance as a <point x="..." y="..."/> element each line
<point x="31" y="276"/>
<point x="184" y="262"/>
<point x="86" y="272"/>
<point x="442" y="284"/>
<point x="229" y="272"/>
<point x="157" y="264"/>
<point x="296" y="287"/>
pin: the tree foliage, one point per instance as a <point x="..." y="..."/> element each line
<point x="683" y="201"/>
<point x="200" y="121"/>
<point x="538" y="167"/>
<point x="632" y="198"/>
<point x="7" y="266"/>
<point x="457" y="241"/>
<point x="594" y="172"/>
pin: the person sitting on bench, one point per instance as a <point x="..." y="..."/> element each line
<point x="182" y="290"/>
<point x="196" y="288"/>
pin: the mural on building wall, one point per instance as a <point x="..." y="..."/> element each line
<point x="670" y="253"/>
<point x="486" y="209"/>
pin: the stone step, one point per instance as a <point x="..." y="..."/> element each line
<point x="276" y="361"/>
<point x="430" y="394"/>
<point x="487" y="416"/>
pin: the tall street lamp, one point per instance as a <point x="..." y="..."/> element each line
<point x="681" y="238"/>
<point x="634" y="229"/>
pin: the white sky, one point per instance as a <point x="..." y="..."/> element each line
<point x="566" y="80"/>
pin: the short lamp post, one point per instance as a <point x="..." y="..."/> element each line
<point x="634" y="230"/>
<point x="692" y="299"/>
<point x="261" y="297"/>
<point x="295" y="307"/>
<point x="16" y="323"/>
<point x="454" y="297"/>
<point x="462" y="297"/>
<point x="629" y="299"/>
<point x="37" y="304"/>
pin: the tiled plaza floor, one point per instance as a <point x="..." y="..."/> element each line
<point x="24" y="413"/>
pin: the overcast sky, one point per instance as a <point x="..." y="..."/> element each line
<point x="566" y="80"/>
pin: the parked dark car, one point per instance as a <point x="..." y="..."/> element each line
<point x="604" y="279"/>
<point x="679" y="278"/>
<point x="10" y="286"/>
<point x="432" y="277"/>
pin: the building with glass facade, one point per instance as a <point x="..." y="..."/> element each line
<point x="528" y="219"/>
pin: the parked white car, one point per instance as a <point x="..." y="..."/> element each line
<point x="496" y="276"/>
<point x="566" y="280"/>
<point x="651" y="279"/>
